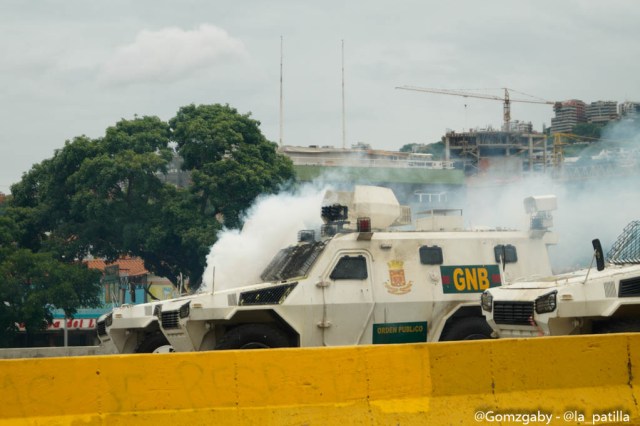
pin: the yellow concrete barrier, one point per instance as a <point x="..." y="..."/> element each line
<point x="563" y="380"/>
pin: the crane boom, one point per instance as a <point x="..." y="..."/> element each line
<point x="451" y="92"/>
<point x="506" y="99"/>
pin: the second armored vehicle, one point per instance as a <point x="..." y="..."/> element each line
<point x="592" y="300"/>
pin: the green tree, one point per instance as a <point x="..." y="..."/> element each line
<point x="414" y="147"/>
<point x="117" y="193"/>
<point x="106" y="197"/>
<point x="588" y="130"/>
<point x="231" y="161"/>
<point x="33" y="284"/>
<point x="98" y="195"/>
<point x="179" y="238"/>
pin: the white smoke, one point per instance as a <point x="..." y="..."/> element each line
<point x="597" y="205"/>
<point x="587" y="209"/>
<point x="272" y="223"/>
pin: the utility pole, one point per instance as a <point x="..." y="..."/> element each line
<point x="344" y="131"/>
<point x="281" y="97"/>
<point x="65" y="330"/>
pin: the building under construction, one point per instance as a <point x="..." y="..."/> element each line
<point x="414" y="177"/>
<point x="498" y="152"/>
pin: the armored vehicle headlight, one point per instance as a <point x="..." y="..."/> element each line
<point x="546" y="303"/>
<point x="184" y="310"/>
<point x="486" y="300"/>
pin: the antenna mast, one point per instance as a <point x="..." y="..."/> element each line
<point x="281" y="101"/>
<point x="344" y="131"/>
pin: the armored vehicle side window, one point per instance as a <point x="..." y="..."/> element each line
<point x="350" y="268"/>
<point x="431" y="255"/>
<point x="506" y="252"/>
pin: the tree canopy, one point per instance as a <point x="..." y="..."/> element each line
<point x="588" y="130"/>
<point x="107" y="197"/>
<point x="33" y="284"/>
<point x="230" y="160"/>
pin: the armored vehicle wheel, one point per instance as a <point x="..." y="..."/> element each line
<point x="155" y="343"/>
<point x="254" y="336"/>
<point x="467" y="328"/>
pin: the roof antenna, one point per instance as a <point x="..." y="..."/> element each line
<point x="281" y="97"/>
<point x="344" y="130"/>
<point x="213" y="279"/>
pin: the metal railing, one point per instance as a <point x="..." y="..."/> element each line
<point x="300" y="160"/>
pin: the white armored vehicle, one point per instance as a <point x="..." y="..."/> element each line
<point x="600" y="300"/>
<point x="362" y="281"/>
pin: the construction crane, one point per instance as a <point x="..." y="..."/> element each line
<point x="506" y="99"/>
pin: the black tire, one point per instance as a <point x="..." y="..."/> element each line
<point x="154" y="343"/>
<point x="254" y="336"/>
<point x="466" y="328"/>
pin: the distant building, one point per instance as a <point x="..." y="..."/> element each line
<point x="629" y="110"/>
<point x="520" y="126"/>
<point x="175" y="175"/>
<point x="567" y="115"/>
<point x="496" y="152"/>
<point x="406" y="173"/>
<point x="127" y="281"/>
<point x="602" y="112"/>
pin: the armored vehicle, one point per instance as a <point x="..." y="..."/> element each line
<point x="604" y="299"/>
<point x="362" y="279"/>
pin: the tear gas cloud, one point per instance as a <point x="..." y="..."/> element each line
<point x="239" y="256"/>
<point x="592" y="207"/>
<point x="586" y="210"/>
<point x="272" y="223"/>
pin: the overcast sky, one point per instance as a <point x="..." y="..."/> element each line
<point x="73" y="67"/>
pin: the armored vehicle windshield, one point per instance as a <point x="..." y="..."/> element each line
<point x="293" y="261"/>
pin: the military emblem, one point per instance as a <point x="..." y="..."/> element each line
<point x="397" y="283"/>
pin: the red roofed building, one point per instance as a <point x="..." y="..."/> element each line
<point x="131" y="266"/>
<point x="128" y="281"/>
